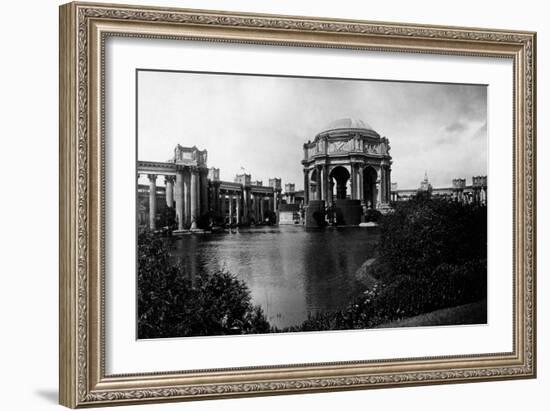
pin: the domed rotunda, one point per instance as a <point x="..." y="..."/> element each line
<point x="347" y="160"/>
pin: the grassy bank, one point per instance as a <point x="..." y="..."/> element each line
<point x="473" y="313"/>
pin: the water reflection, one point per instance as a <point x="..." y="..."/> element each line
<point x="290" y="271"/>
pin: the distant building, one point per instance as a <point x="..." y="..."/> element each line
<point x="458" y="191"/>
<point x="292" y="207"/>
<point x="194" y="190"/>
<point x="290" y="214"/>
<point x="425" y="185"/>
<point x="347" y="152"/>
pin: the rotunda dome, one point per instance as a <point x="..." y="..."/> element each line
<point x="346" y="124"/>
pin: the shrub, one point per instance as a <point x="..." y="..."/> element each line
<point x="205" y="220"/>
<point x="270" y="217"/>
<point x="403" y="297"/>
<point x="447" y="286"/>
<point x="171" y="304"/>
<point x="319" y="218"/>
<point x="372" y="215"/>
<point x="421" y="234"/>
<point x="167" y="218"/>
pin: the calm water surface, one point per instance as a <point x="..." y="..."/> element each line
<point x="290" y="271"/>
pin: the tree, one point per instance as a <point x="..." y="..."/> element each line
<point x="270" y="217"/>
<point x="423" y="233"/>
<point x="167" y="217"/>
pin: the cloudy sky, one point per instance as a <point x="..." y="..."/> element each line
<point x="260" y="123"/>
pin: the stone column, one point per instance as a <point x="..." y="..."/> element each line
<point x="238" y="208"/>
<point x="169" y="183"/>
<point x="388" y="184"/>
<point x="360" y="185"/>
<point x="353" y="175"/>
<point x="256" y="208"/>
<point x="152" y="200"/>
<point x="319" y="184"/>
<point x="385" y="184"/>
<point x="383" y="187"/>
<point x="204" y="191"/>
<point x="326" y="185"/>
<point x="306" y="187"/>
<point x="216" y="197"/>
<point x="246" y="205"/>
<point x="231" y="208"/>
<point x="388" y="178"/>
<point x="198" y="192"/>
<point x="222" y="205"/>
<point x="187" y="196"/>
<point x="378" y="187"/>
<point x="180" y="199"/>
<point x="321" y="174"/>
<point x="262" y="208"/>
<point x="194" y="200"/>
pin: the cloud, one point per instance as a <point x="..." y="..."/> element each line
<point x="456" y="127"/>
<point x="481" y="132"/>
<point x="261" y="123"/>
<point x="452" y="132"/>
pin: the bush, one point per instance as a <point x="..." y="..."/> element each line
<point x="372" y="215"/>
<point x="447" y="286"/>
<point x="205" y="220"/>
<point x="319" y="218"/>
<point x="270" y="217"/>
<point x="171" y="304"/>
<point x="167" y="218"/>
<point x="403" y="297"/>
<point x="421" y="234"/>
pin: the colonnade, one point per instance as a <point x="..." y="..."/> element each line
<point x="368" y="183"/>
<point x="475" y="195"/>
<point x="192" y="194"/>
<point x="187" y="190"/>
<point x="244" y="206"/>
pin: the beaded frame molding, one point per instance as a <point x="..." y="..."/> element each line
<point x="83" y="30"/>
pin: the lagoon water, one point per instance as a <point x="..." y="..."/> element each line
<point x="289" y="270"/>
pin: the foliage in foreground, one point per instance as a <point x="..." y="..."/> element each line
<point x="432" y="255"/>
<point x="170" y="304"/>
<point x="404" y="297"/>
<point x="421" y="234"/>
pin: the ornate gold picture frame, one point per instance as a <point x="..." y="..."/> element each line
<point x="84" y="29"/>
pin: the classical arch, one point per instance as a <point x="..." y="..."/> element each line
<point x="348" y="163"/>
<point x="370" y="176"/>
<point x="339" y="176"/>
<point x="315" y="184"/>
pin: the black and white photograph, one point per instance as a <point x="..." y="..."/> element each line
<point x="279" y="204"/>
